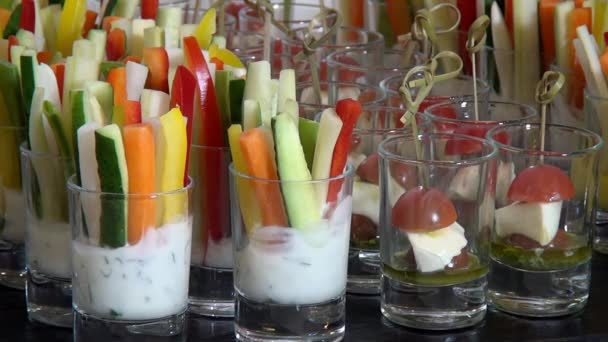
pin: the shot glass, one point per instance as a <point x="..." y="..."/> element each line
<point x="595" y="120"/>
<point x="211" y="281"/>
<point x="332" y="92"/>
<point x="138" y="285"/>
<point x="12" y="209"/>
<point x="48" y="237"/>
<point x="374" y="125"/>
<point x="290" y="282"/>
<point x="434" y="243"/>
<point x="365" y="66"/>
<point x="541" y="242"/>
<point x="294" y="15"/>
<point x="458" y="88"/>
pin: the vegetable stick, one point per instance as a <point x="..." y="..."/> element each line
<point x="149" y="9"/>
<point x="157" y="61"/>
<point x="547" y="17"/>
<point x="27" y="20"/>
<point x="578" y="17"/>
<point x="330" y="127"/>
<point x="70" y="25"/>
<point x="526" y="47"/>
<point x="136" y="80"/>
<point x="182" y="95"/>
<point x="59" y="71"/>
<point x="116" y="47"/>
<point x="261" y="164"/>
<point x="89" y="22"/>
<point x="349" y="111"/>
<point x="118" y="79"/>
<point x="141" y="163"/>
<point x="509" y="9"/>
<point x="247" y="200"/>
<point x="604" y="63"/>
<point x="502" y="43"/>
<point x="132" y="112"/>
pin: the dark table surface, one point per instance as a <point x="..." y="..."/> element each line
<point x="365" y="323"/>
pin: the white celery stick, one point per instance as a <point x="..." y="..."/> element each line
<point x="136" y="80"/>
<point x="89" y="178"/>
<point x="503" y="46"/>
<point x="154" y="103"/>
<point x="329" y="130"/>
<point x="526" y="47"/>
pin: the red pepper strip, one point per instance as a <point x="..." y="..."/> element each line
<point x="509" y="18"/>
<point x="349" y="111"/>
<point x="606" y="38"/>
<point x="219" y="65"/>
<point x="116" y="44"/>
<point x="89" y="22"/>
<point x="59" y="71"/>
<point x="132" y="112"/>
<point x="157" y="61"/>
<point x="182" y="95"/>
<point x="468" y="12"/>
<point x="44" y="57"/>
<point x="149" y="8"/>
<point x="27" y="21"/>
<point x="106" y="24"/>
<point x="12" y="41"/>
<point x="212" y="131"/>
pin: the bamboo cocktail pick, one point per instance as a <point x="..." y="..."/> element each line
<point x="546" y="90"/>
<point x="475" y="42"/>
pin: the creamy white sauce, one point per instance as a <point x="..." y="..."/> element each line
<point x="148" y="280"/>
<point x="14" y="216"/>
<point x="219" y="254"/>
<point x="47" y="248"/>
<point x="291" y="266"/>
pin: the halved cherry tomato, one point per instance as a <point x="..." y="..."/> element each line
<point x="362" y="228"/>
<point x="422" y="210"/>
<point x="459" y="146"/>
<point x="460" y="261"/>
<point x="368" y="169"/>
<point x="560" y="241"/>
<point x="405" y="175"/>
<point x="541" y="183"/>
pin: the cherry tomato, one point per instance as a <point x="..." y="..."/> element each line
<point x="561" y="240"/>
<point x="405" y="175"/>
<point x="368" y="169"/>
<point x="459" y="262"/>
<point x="459" y="146"/>
<point x="362" y="228"/>
<point x="541" y="183"/>
<point x="422" y="210"/>
<point x="522" y="241"/>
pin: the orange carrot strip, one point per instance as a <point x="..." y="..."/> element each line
<point x="89" y="22"/>
<point x="219" y="65"/>
<point x="547" y="30"/>
<point x="139" y="153"/>
<point x="44" y="57"/>
<point x="118" y="79"/>
<point x="509" y="17"/>
<point x="59" y="71"/>
<point x="260" y="164"/>
<point x="116" y="46"/>
<point x="398" y="16"/>
<point x="132" y="112"/>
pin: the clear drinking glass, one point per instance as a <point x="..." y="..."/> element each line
<point x="121" y="288"/>
<point x="374" y="125"/>
<point x="541" y="242"/>
<point x="596" y="119"/>
<point x="434" y="237"/>
<point x="294" y="16"/>
<point x="331" y="92"/>
<point x="290" y="282"/>
<point x="48" y="237"/>
<point x="12" y="209"/>
<point x="211" y="281"/>
<point x="453" y="89"/>
<point x="365" y="66"/>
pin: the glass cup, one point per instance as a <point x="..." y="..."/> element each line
<point x="211" y="281"/>
<point x="295" y="15"/>
<point x="364" y="66"/>
<point x="374" y="125"/>
<point x="122" y="288"/>
<point x="289" y="281"/>
<point x="391" y="18"/>
<point x="541" y="242"/>
<point x="48" y="237"/>
<point x="332" y="92"/>
<point x="457" y="88"/>
<point x="434" y="237"/>
<point x="12" y="209"/>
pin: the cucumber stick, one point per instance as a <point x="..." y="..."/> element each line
<point x="287" y="89"/>
<point x="50" y="20"/>
<point x="29" y="72"/>
<point x="125" y="8"/>
<point x="89" y="179"/>
<point x="60" y="134"/>
<point x="104" y="94"/>
<point x="258" y="87"/>
<point x="154" y="103"/>
<point x="222" y="90"/>
<point x="526" y="46"/>
<point x="10" y="90"/>
<point x="138" y="27"/>
<point x="154" y="37"/>
<point x="98" y="38"/>
<point x="84" y="49"/>
<point x="113" y="178"/>
<point x="170" y="19"/>
<point x="252" y="114"/>
<point x="329" y="129"/>
<point x="299" y="193"/>
<point x="236" y="90"/>
<point x="308" y="130"/>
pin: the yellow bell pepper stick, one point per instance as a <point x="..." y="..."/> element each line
<point x="225" y="56"/>
<point x="70" y="25"/>
<point x="206" y="29"/>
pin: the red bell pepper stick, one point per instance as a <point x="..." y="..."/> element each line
<point x="149" y="9"/>
<point x="157" y="61"/>
<point x="219" y="65"/>
<point x="59" y="71"/>
<point x="132" y="112"/>
<point x="27" y="20"/>
<point x="212" y="131"/>
<point x="12" y="41"/>
<point x="182" y="95"/>
<point x="44" y="57"/>
<point x="468" y="14"/>
<point x="349" y="111"/>
<point x="89" y="22"/>
<point x="116" y="44"/>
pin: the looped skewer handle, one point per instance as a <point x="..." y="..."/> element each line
<point x="546" y="91"/>
<point x="434" y="62"/>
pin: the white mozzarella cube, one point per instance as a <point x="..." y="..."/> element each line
<point x="435" y="250"/>
<point x="537" y="221"/>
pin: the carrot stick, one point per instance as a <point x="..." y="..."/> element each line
<point x="59" y="71"/>
<point x="157" y="61"/>
<point x="116" y="46"/>
<point x="140" y="156"/>
<point x="132" y="112"/>
<point x="349" y="111"/>
<point x="44" y="57"/>
<point x="357" y="13"/>
<point x="547" y="30"/>
<point x="219" y="65"/>
<point x="260" y="164"/>
<point x="509" y="18"/>
<point x="89" y="22"/>
<point x="118" y="79"/>
<point x="398" y="16"/>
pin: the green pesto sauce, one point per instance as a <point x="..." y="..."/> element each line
<point x="373" y="244"/>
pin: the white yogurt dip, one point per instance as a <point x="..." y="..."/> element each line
<point x="219" y="254"/>
<point x="291" y="266"/>
<point x="47" y="248"/>
<point x="14" y="216"/>
<point x="145" y="281"/>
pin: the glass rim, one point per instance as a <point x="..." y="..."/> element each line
<point x="547" y="153"/>
<point x="331" y="61"/>
<point x="73" y="187"/>
<point x="482" y="85"/>
<point x="385" y="154"/>
<point x="434" y="117"/>
<point x="26" y="150"/>
<point x="303" y="84"/>
<point x="374" y="38"/>
<point x="245" y="12"/>
<point x="349" y="172"/>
